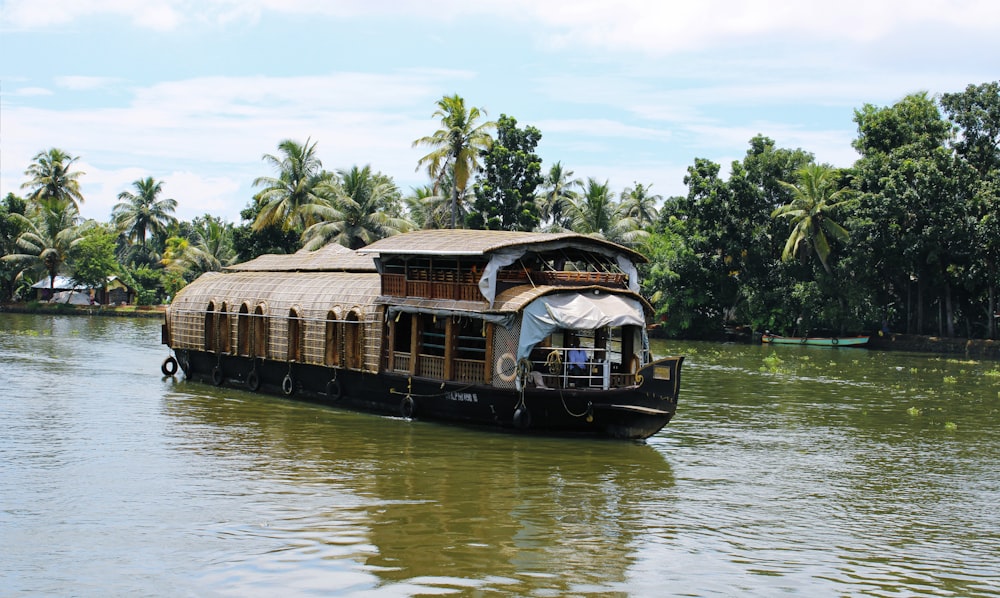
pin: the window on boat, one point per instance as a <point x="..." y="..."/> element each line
<point x="353" y="340"/>
<point x="244" y="331"/>
<point x="432" y="337"/>
<point x="210" y="327"/>
<point x="331" y="339"/>
<point x="295" y="335"/>
<point x="258" y="346"/>
<point x="225" y="334"/>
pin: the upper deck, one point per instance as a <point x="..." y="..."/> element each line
<point x="474" y="265"/>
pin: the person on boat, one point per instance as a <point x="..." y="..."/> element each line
<point x="577" y="359"/>
<point x="535" y="376"/>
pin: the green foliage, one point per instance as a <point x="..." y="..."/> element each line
<point x="250" y="242"/>
<point x="283" y="199"/>
<point x="51" y="180"/>
<point x="152" y="286"/>
<point x="505" y="191"/>
<point x="359" y="208"/>
<point x="455" y="148"/>
<point x="93" y="257"/>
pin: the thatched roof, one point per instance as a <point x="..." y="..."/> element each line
<point x="314" y="294"/>
<point x="459" y="242"/>
<point x="329" y="258"/>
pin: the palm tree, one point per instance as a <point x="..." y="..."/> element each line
<point x="47" y="239"/>
<point x="814" y="198"/>
<point x="426" y="208"/>
<point x="209" y="250"/>
<point x="639" y="204"/>
<point x="285" y="198"/>
<point x="557" y="195"/>
<point x="143" y="213"/>
<point x="51" y="180"/>
<point x="595" y="213"/>
<point x="456" y="146"/>
<point x="362" y="208"/>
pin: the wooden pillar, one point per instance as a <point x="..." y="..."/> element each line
<point x="416" y="325"/>
<point x="449" y="348"/>
<point x="488" y="366"/>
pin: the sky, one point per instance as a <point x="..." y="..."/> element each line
<point x="195" y="92"/>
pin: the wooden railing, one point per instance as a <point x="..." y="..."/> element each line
<point x="469" y="370"/>
<point x="397" y="285"/>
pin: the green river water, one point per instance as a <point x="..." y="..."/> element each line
<point x="787" y="471"/>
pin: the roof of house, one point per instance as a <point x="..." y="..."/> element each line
<point x="456" y="242"/>
<point x="61" y="283"/>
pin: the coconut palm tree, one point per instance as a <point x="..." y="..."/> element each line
<point x="814" y="198"/>
<point x="557" y="195"/>
<point x="362" y="207"/>
<point x="456" y="146"/>
<point x="209" y="250"/>
<point x="638" y="203"/>
<point x="47" y="238"/>
<point x="50" y="179"/>
<point x="284" y="198"/>
<point x="595" y="213"/>
<point x="427" y="208"/>
<point x="144" y="214"/>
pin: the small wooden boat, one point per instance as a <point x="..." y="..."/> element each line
<point x="815" y="341"/>
<point x="539" y="332"/>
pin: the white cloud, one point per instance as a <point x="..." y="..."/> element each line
<point x="83" y="83"/>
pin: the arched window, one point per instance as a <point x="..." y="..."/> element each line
<point x="331" y="340"/>
<point x="225" y="334"/>
<point x="258" y="346"/>
<point x="210" y="327"/>
<point x="352" y="341"/>
<point x="295" y="335"/>
<point x="244" y="332"/>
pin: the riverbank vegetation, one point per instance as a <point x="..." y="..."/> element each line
<point x="906" y="239"/>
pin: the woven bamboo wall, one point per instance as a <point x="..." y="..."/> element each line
<point x="312" y="296"/>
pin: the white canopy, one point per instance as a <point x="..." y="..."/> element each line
<point x="575" y="311"/>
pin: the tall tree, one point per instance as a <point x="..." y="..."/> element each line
<point x="597" y="213"/>
<point x="456" y="146"/>
<point x="144" y="214"/>
<point x="363" y="207"/>
<point x="976" y="111"/>
<point x="283" y="199"/>
<point x="47" y="238"/>
<point x="815" y="196"/>
<point x="505" y="190"/>
<point x="910" y="214"/>
<point x="93" y="257"/>
<point x="11" y="227"/>
<point x="208" y="247"/>
<point x="51" y="179"/>
<point x="558" y="193"/>
<point x="639" y="204"/>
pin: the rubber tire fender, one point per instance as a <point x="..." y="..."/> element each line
<point x="217" y="375"/>
<point x="169" y="367"/>
<point x="407" y="407"/>
<point x="522" y="418"/>
<point x="253" y="380"/>
<point x="288" y="385"/>
<point x="333" y="390"/>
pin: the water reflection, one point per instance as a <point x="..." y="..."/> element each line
<point x="417" y="503"/>
<point x="785" y="472"/>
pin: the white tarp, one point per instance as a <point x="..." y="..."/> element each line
<point x="72" y="298"/>
<point x="575" y="311"/>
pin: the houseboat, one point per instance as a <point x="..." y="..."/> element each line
<point x="538" y="332"/>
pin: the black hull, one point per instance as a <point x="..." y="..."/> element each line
<point x="626" y="413"/>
